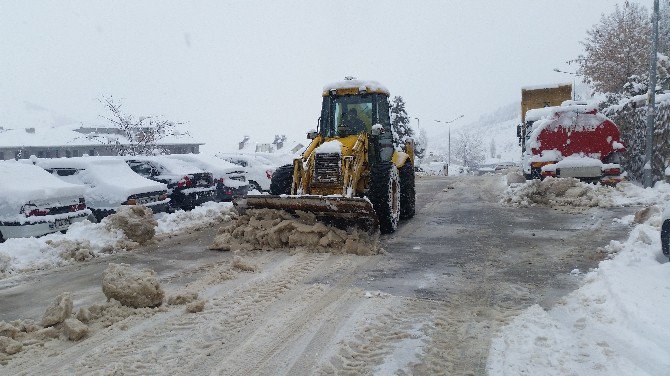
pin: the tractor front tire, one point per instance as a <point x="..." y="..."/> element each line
<point x="407" y="191"/>
<point x="282" y="179"/>
<point x="385" y="195"/>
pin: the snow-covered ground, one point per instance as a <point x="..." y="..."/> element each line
<point x="615" y="324"/>
<point x="85" y="240"/>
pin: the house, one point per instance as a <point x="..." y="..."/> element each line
<point x="63" y="141"/>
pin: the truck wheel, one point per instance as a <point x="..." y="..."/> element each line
<point x="407" y="191"/>
<point x="665" y="237"/>
<point x="385" y="195"/>
<point x="536" y="173"/>
<point x="281" y="181"/>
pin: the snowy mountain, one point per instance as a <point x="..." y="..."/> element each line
<point x="497" y="127"/>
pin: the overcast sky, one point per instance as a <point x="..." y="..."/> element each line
<point x="232" y="68"/>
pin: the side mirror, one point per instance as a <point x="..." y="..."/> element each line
<point x="312" y="134"/>
<point x="377" y="130"/>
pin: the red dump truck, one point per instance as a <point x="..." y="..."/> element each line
<point x="572" y="140"/>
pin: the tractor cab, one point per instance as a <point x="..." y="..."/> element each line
<point x="354" y="107"/>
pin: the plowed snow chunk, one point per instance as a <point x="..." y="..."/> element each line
<point x="558" y="192"/>
<point x="112" y="312"/>
<point x="241" y="264"/>
<point x="182" y="298"/>
<point x="59" y="310"/>
<point x="132" y="287"/>
<point x="195" y="307"/>
<point x="137" y="222"/>
<point x="266" y="229"/>
<point x="515" y="177"/>
<point x="75" y="329"/>
<point x="643" y="215"/>
<point x="10" y="346"/>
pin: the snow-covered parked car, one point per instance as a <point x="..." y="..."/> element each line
<point x="259" y="169"/>
<point x="188" y="185"/>
<point x="110" y="183"/>
<point x="665" y="230"/>
<point x="34" y="203"/>
<point x="230" y="178"/>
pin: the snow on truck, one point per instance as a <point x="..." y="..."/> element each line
<point x="570" y="140"/>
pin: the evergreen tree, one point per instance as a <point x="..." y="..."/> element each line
<point x="400" y="121"/>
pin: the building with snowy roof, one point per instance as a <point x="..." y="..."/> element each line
<point x="63" y="141"/>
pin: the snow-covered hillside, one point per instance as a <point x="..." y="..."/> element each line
<point x="498" y="127"/>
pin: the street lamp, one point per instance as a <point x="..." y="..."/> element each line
<point x="418" y="123"/>
<point x="574" y="80"/>
<point x="449" y="122"/>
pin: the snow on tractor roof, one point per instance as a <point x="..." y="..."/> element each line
<point x="360" y="85"/>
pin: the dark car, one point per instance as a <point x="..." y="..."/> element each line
<point x="188" y="185"/>
<point x="230" y="178"/>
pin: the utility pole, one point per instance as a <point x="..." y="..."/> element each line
<point x="651" y="99"/>
<point x="418" y="123"/>
<point x="449" y="122"/>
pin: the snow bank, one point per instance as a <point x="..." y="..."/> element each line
<point x="615" y="324"/>
<point x="205" y="215"/>
<point x="570" y="192"/>
<point x="265" y="229"/>
<point x="85" y="240"/>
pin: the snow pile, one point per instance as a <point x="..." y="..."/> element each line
<point x="557" y="192"/>
<point x="132" y="287"/>
<point x="571" y="192"/>
<point x="202" y="216"/>
<point x="615" y="324"/>
<point x="136" y="221"/>
<point x="85" y="240"/>
<point x="265" y="229"/>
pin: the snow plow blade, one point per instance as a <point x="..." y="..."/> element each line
<point x="341" y="212"/>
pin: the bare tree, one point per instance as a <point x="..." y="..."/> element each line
<point x="139" y="135"/>
<point x="617" y="48"/>
<point x="469" y="149"/>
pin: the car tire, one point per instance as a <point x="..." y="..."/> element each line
<point x="281" y="181"/>
<point x="385" y="195"/>
<point x="407" y="191"/>
<point x="665" y="237"/>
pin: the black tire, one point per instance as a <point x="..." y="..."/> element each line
<point x="2" y="239"/>
<point x="536" y="173"/>
<point x="407" y="191"/>
<point x="385" y="195"/>
<point x="281" y="181"/>
<point x="665" y="237"/>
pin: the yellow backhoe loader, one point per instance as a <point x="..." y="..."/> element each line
<point x="353" y="173"/>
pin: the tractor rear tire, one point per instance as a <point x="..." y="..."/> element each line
<point x="407" y="191"/>
<point x="282" y="179"/>
<point x="385" y="195"/>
